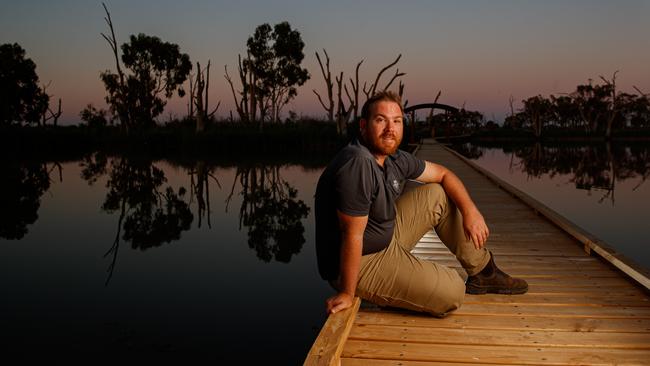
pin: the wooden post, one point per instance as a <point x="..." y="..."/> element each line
<point x="327" y="348"/>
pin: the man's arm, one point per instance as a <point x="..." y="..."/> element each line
<point x="352" y="228"/>
<point x="473" y="222"/>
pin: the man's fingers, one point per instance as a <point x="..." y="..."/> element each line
<point x="337" y="307"/>
<point x="477" y="241"/>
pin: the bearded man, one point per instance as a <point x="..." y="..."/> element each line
<point x="367" y="225"/>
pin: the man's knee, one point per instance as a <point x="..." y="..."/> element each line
<point x="448" y="296"/>
<point x="435" y="196"/>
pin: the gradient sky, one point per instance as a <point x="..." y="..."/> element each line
<point x="478" y="53"/>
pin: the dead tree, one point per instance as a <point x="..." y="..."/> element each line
<point x="112" y="42"/>
<point x="54" y="116"/>
<point x="372" y="88"/>
<point x="342" y="114"/>
<point x="614" y="107"/>
<point x="197" y="100"/>
<point x="247" y="104"/>
<point x="199" y="97"/>
<point x="190" y="105"/>
<point x="355" y="90"/>
<point x="329" y="108"/>
<point x="239" y="104"/>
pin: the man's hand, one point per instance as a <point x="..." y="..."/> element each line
<point x="338" y="302"/>
<point x="475" y="228"/>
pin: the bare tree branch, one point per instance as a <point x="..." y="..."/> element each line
<point x="640" y="92"/>
<point x="374" y="85"/>
<point x="355" y="88"/>
<point x="320" y="100"/>
<point x="328" y="83"/>
<point x="211" y="114"/>
<point x="238" y="104"/>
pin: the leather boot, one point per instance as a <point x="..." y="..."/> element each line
<point x="493" y="280"/>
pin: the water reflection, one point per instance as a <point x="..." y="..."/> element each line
<point x="271" y="212"/>
<point x="200" y="175"/>
<point x="150" y="212"/>
<point x="148" y="215"/>
<point x="21" y="188"/>
<point x="593" y="167"/>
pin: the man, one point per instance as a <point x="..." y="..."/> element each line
<point x="366" y="225"/>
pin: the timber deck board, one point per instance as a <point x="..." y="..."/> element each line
<point x="579" y="310"/>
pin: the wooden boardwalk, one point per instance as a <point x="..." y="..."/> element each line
<point x="580" y="309"/>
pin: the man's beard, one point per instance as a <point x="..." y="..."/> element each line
<point x="376" y="144"/>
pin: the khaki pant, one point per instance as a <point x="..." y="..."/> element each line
<point x="395" y="277"/>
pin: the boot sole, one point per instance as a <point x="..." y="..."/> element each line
<point x="474" y="290"/>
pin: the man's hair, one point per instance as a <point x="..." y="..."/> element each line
<point x="378" y="97"/>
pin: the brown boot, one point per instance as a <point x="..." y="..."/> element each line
<point x="493" y="280"/>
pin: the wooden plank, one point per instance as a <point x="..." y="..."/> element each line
<point x="554" y="311"/>
<point x="492" y="354"/>
<point x="586" y="291"/>
<point x="326" y="350"/>
<point x="489" y="337"/>
<point x="639" y="274"/>
<point x="577" y="282"/>
<point x="562" y="299"/>
<point x="368" y="362"/>
<point x="504" y="322"/>
<point x="579" y="261"/>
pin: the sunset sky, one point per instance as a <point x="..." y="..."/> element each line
<point x="478" y="53"/>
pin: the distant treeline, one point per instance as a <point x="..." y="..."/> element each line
<point x="220" y="141"/>
<point x="592" y="111"/>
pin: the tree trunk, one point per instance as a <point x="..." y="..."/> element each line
<point x="198" y="99"/>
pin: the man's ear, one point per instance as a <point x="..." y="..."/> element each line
<point x="362" y="124"/>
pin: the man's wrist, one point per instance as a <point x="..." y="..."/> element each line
<point x="349" y="293"/>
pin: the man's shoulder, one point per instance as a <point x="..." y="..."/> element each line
<point x="353" y="160"/>
<point x="402" y="156"/>
<point x="352" y="152"/>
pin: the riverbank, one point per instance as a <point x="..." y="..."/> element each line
<point x="228" y="140"/>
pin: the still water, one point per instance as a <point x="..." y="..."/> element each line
<point x="603" y="188"/>
<point x="112" y="257"/>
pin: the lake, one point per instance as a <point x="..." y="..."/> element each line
<point x="114" y="257"/>
<point x="125" y="257"/>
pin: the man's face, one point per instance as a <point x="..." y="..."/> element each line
<point x="383" y="130"/>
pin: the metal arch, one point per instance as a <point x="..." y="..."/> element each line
<point x="444" y="107"/>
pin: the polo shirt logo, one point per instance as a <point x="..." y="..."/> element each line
<point x="395" y="184"/>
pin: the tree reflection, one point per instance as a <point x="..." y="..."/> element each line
<point x="590" y="167"/>
<point x="22" y="186"/>
<point x="200" y="186"/>
<point x="468" y="150"/>
<point x="148" y="215"/>
<point x="271" y="212"/>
